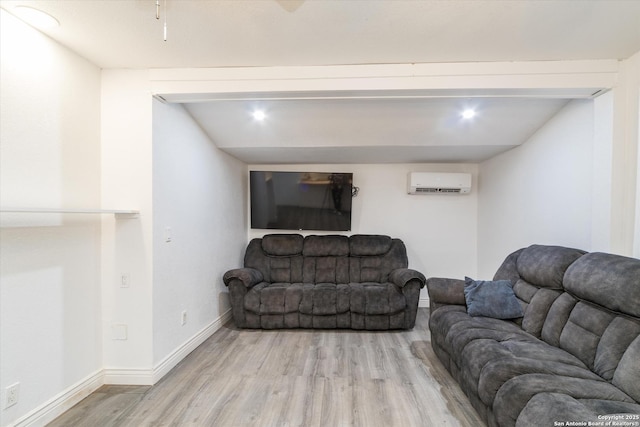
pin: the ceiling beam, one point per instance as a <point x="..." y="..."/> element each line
<point x="549" y="79"/>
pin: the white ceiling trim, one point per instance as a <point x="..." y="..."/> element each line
<point x="566" y="79"/>
<point x="546" y="93"/>
<point x="388" y="70"/>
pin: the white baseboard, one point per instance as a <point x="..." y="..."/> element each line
<point x="152" y="376"/>
<point x="59" y="404"/>
<point x="118" y="376"/>
<point x="423" y="302"/>
<point x="169" y="362"/>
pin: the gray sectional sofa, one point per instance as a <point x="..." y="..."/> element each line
<point x="357" y="282"/>
<point x="570" y="358"/>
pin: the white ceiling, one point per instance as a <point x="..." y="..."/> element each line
<point x="222" y="33"/>
<point x="225" y="33"/>
<point x="372" y="130"/>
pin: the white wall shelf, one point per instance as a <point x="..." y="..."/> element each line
<point x="119" y="213"/>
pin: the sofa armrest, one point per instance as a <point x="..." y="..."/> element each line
<point x="248" y="276"/>
<point x="446" y="291"/>
<point x="401" y="276"/>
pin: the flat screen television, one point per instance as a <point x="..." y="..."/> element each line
<point x="300" y="200"/>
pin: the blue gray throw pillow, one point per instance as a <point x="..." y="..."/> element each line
<point x="491" y="299"/>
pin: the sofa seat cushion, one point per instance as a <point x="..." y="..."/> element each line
<point x="376" y="298"/>
<point x="505" y="366"/>
<point x="545" y="409"/>
<point x="323" y="299"/>
<point x="489" y="352"/>
<point x="449" y="321"/>
<point x="460" y="330"/>
<point x="528" y="358"/>
<point x="273" y="298"/>
<point x="514" y="395"/>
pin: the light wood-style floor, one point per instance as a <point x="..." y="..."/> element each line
<point x="292" y="378"/>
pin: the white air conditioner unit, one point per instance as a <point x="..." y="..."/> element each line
<point x="439" y="183"/>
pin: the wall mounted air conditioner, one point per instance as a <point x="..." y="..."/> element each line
<point x="438" y="183"/>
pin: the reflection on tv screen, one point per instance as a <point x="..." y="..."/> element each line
<point x="301" y="200"/>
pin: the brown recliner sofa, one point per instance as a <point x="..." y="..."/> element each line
<point x="573" y="355"/>
<point x="357" y="282"/>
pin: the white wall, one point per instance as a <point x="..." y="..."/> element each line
<point x="126" y="162"/>
<point x="439" y="231"/>
<point x="541" y="191"/>
<point x="50" y="265"/>
<point x="601" y="176"/>
<point x="636" y="242"/>
<point x="200" y="194"/>
<point x="625" y="216"/>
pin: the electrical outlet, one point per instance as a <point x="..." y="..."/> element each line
<point x="183" y="319"/>
<point x="125" y="281"/>
<point x="119" y="331"/>
<point x="13" y="393"/>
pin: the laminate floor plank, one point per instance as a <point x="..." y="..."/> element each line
<point x="291" y="378"/>
<point x="107" y="399"/>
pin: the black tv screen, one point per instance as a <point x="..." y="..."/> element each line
<point x="301" y="200"/>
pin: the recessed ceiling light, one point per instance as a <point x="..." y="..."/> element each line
<point x="468" y="114"/>
<point x="35" y="17"/>
<point x="259" y="115"/>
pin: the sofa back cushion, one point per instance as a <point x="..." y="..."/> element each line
<point x="611" y="281"/>
<point x="584" y="329"/>
<point x="373" y="257"/>
<point x="586" y="304"/>
<point x="277" y="256"/>
<point x="595" y="335"/>
<point x="537" y="273"/>
<point x="508" y="270"/>
<point x="614" y="344"/>
<point x="282" y="244"/>
<point x="557" y="318"/>
<point x="536" y="303"/>
<point x="291" y="258"/>
<point x="315" y="246"/>
<point x="595" y="318"/>
<point x="607" y="287"/>
<point x="627" y="375"/>
<point x="545" y="266"/>
<point x="369" y="245"/>
<point x="326" y="259"/>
